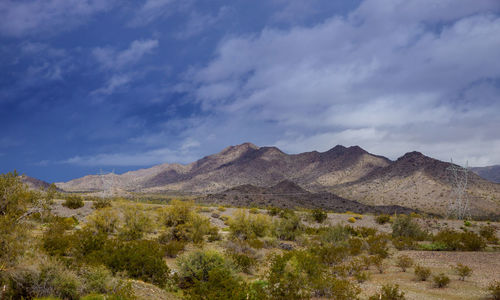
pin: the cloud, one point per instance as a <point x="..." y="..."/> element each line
<point x="153" y="10"/>
<point x="115" y="82"/>
<point x="392" y="76"/>
<point x="20" y="18"/>
<point x="147" y="158"/>
<point x="197" y="23"/>
<point x="110" y="58"/>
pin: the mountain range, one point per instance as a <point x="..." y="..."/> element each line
<point x="492" y="173"/>
<point x="413" y="180"/>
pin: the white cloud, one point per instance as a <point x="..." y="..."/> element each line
<point x="110" y="58"/>
<point x="19" y="18"/>
<point x="115" y="82"/>
<point x="393" y="76"/>
<point x="148" y="158"/>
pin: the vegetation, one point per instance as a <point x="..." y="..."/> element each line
<point x="494" y="289"/>
<point x="255" y="256"/>
<point x="73" y="201"/>
<point x="404" y="262"/>
<point x="422" y="273"/>
<point x="382" y="219"/>
<point x="389" y="292"/>
<point x="462" y="271"/>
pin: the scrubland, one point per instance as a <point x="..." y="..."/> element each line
<point x="61" y="246"/>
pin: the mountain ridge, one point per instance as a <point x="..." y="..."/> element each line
<point x="413" y="180"/>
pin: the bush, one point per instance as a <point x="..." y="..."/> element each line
<point x="288" y="228"/>
<point x="42" y="279"/>
<point x="73" y="202"/>
<point x="55" y="241"/>
<point x="462" y="271"/>
<point x="377" y="245"/>
<point x="105" y="221"/>
<point x="173" y="248"/>
<point x="404" y="243"/>
<point x="494" y="289"/>
<point x="97" y="279"/>
<point x="197" y="266"/>
<point x="273" y="211"/>
<point x="404" y="226"/>
<point x="319" y="215"/>
<point x="489" y="233"/>
<point x="335" y="234"/>
<point x="136" y="223"/>
<point x="441" y="280"/>
<point x="422" y="273"/>
<point x="242" y="255"/>
<point x="140" y="259"/>
<point x="382" y="219"/>
<point x="246" y="226"/>
<point x="351" y="220"/>
<point x="178" y="213"/>
<point x="294" y="275"/>
<point x="453" y="240"/>
<point x="404" y="262"/>
<point x="389" y="292"/>
<point x="101" y="203"/>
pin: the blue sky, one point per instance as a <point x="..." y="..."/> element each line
<point x="88" y="85"/>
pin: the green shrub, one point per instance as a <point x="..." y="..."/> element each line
<point x="382" y="219"/>
<point x="335" y="234"/>
<point x="96" y="279"/>
<point x="453" y="240"/>
<point x="489" y="233"/>
<point x="42" y="279"/>
<point x="404" y="262"/>
<point x="462" y="271"/>
<point x="196" y="267"/>
<point x="355" y="246"/>
<point x="104" y="220"/>
<point x="319" y="215"/>
<point x="494" y="289"/>
<point x="73" y="202"/>
<point x="422" y="273"/>
<point x="294" y="275"/>
<point x="389" y="292"/>
<point x="243" y="256"/>
<point x="441" y="280"/>
<point x="87" y="244"/>
<point x="246" y="226"/>
<point x="55" y="241"/>
<point x="404" y="226"/>
<point x="178" y="213"/>
<point x="330" y="255"/>
<point x="140" y="259"/>
<point x="351" y="220"/>
<point x="136" y="223"/>
<point x="219" y="285"/>
<point x="288" y="228"/>
<point x="467" y="223"/>
<point x="173" y="248"/>
<point x="101" y="203"/>
<point x="273" y="211"/>
<point x="404" y="243"/>
<point x="377" y="245"/>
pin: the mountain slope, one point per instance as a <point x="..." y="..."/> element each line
<point x="243" y="164"/>
<point x="491" y="173"/>
<point x="420" y="182"/>
<point x="287" y="194"/>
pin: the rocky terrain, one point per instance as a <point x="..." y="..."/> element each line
<point x="287" y="194"/>
<point x="492" y="173"/>
<point x="413" y="180"/>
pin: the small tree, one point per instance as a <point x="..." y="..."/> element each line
<point x="494" y="289"/>
<point x="441" y="280"/>
<point x="422" y="273"/>
<point x="404" y="262"/>
<point x="389" y="292"/>
<point x="462" y="271"/>
<point x="319" y="215"/>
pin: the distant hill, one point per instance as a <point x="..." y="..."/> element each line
<point x="287" y="194"/>
<point x="492" y="173"/>
<point x="413" y="180"/>
<point x="420" y="182"/>
<point x="243" y="164"/>
<point x="33" y="183"/>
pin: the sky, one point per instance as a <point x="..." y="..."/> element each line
<point x="90" y="86"/>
